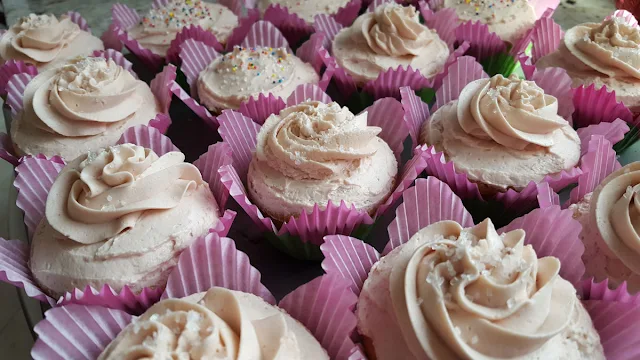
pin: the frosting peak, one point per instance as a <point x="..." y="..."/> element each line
<point x="105" y="193"/>
<point x="512" y="112"/>
<point x="42" y="37"/>
<point x="395" y="30"/>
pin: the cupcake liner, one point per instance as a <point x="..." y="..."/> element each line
<point x="78" y="20"/>
<point x="217" y="155"/>
<point x="445" y="172"/>
<point x="259" y="109"/>
<point x="307" y="92"/>
<point x="463" y="71"/>
<point x="107" y="297"/>
<point x="117" y="57"/>
<point x="265" y="34"/>
<point x="427" y="202"/>
<point x="308" y="52"/>
<point x="614" y="132"/>
<point x="483" y="43"/>
<point x="214" y="261"/>
<point x="598" y="162"/>
<point x="445" y="23"/>
<point x="556" y="82"/>
<point x="546" y="196"/>
<point x="6" y="150"/>
<point x="416" y="112"/>
<point x="528" y="68"/>
<point x="192" y="104"/>
<point x="77" y="332"/>
<point x="123" y="16"/>
<point x="151" y="60"/>
<point x="156" y="4"/>
<point x="149" y="137"/>
<point x="542" y="6"/>
<point x="161" y="84"/>
<point x="290" y="24"/>
<point x="244" y="24"/>
<point x="14" y="269"/>
<point x="11" y="68"/>
<point x="15" y="91"/>
<point x="193" y="32"/>
<point x="624" y="14"/>
<point x="241" y="133"/>
<point x="349" y="258"/>
<point x="598" y="106"/>
<point x="546" y="37"/>
<point x="553" y="232"/>
<point x="195" y="56"/>
<point x="453" y="57"/>
<point x="591" y="290"/>
<point x="237" y="6"/>
<point x="388" y="83"/>
<point x="345" y="84"/>
<point x="348" y="13"/>
<point x="327" y="25"/>
<point x="331" y="319"/>
<point x="389" y="111"/>
<point x="526" y="199"/>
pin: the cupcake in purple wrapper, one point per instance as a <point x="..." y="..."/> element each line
<point x="84" y="104"/>
<point x="214" y="307"/>
<point x="445" y="288"/>
<point x="114" y="219"/>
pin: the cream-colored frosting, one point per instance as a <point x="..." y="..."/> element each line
<point x="248" y="72"/>
<point x="120" y="216"/>
<point x="84" y="105"/>
<point x="220" y="324"/>
<point x="509" y="19"/>
<point x="515" y="127"/>
<point x="160" y="26"/>
<point x="454" y="293"/>
<point x="46" y="41"/>
<point x="305" y="9"/>
<point x="314" y="152"/>
<point x="386" y="38"/>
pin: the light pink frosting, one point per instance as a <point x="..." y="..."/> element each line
<point x="45" y="41"/>
<point x="314" y="152"/>
<point x="220" y="324"/>
<point x="474" y="294"/>
<point x="81" y="106"/>
<point x="305" y="9"/>
<point x="386" y="38"/>
<point x="117" y="216"/>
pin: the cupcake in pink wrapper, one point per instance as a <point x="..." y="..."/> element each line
<point x="107" y="228"/>
<point x="445" y="288"/>
<point x="314" y="168"/>
<point x="45" y="42"/>
<point x="214" y="307"/>
<point x="602" y="54"/>
<point x="83" y="105"/>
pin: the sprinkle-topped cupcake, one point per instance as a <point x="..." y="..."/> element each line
<point x="246" y="72"/>
<point x="160" y="26"/>
<point x="305" y="9"/>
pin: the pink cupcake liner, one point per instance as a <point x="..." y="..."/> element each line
<point x="598" y="106"/>
<point x="527" y="198"/>
<point x="349" y="258"/>
<point x="6" y="150"/>
<point x="259" y="109"/>
<point x="613" y="132"/>
<point x="244" y="24"/>
<point x="214" y="261"/>
<point x="591" y="290"/>
<point x="544" y="6"/>
<point x="546" y="196"/>
<point x="416" y="112"/>
<point x="237" y="6"/>
<point x="149" y="137"/>
<point x="107" y="297"/>
<point x="160" y="86"/>
<point x="14" y="257"/>
<point x="345" y="84"/>
<point x="389" y="111"/>
<point x="331" y="320"/>
<point x="453" y="57"/>
<point x="556" y="82"/>
<point x="388" y="83"/>
<point x="78" y="20"/>
<point x="77" y="332"/>
<point x="217" y="155"/>
<point x="265" y="34"/>
<point x="193" y="32"/>
<point x="192" y="104"/>
<point x="11" y="68"/>
<point x="241" y="133"/>
<point x="150" y="59"/>
<point x="445" y="23"/>
<point x="598" y="162"/>
<point x="307" y="92"/>
<point x="348" y="13"/>
<point x="546" y="37"/>
<point x="195" y="56"/>
<point x="15" y="91"/>
<point x="528" y="68"/>
<point x="308" y="52"/>
<point x="292" y="26"/>
<point x="117" y="57"/>
<point x="483" y="43"/>
<point x="459" y="74"/>
<point x="435" y="4"/>
<point x="625" y="15"/>
<point x="123" y="16"/>
<point x="327" y="25"/>
<point x="445" y="171"/>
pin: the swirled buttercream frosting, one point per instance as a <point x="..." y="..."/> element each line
<point x="306" y="9"/>
<point x="515" y="127"/>
<point x="81" y="106"/>
<point x="248" y="72"/>
<point x="456" y="293"/>
<point x="386" y="38"/>
<point x="314" y="152"/>
<point x="45" y="41"/>
<point x="120" y="216"/>
<point x="160" y="25"/>
<point x="217" y="324"/>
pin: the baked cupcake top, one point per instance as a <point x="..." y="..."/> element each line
<point x="386" y="38"/>
<point x="314" y="152"/>
<point x="247" y="72"/>
<point x="306" y="9"/>
<point x="471" y="293"/>
<point x="160" y="26"/>
<point x="84" y="105"/>
<point x="221" y="324"/>
<point x="504" y="132"/>
<point x="509" y="19"/>
<point x="120" y="216"/>
<point x="46" y="41"/>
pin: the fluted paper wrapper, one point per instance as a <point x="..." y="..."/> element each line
<point x="598" y="106"/>
<point x="193" y="32"/>
<point x="265" y="34"/>
<point x="350" y="256"/>
<point x="290" y="24"/>
<point x="11" y="68"/>
<point x="598" y="162"/>
<point x="542" y="6"/>
<point x="416" y="112"/>
<point x="15" y="92"/>
<point x="459" y="74"/>
<point x="628" y="16"/>
<point x="546" y="37"/>
<point x="483" y="43"/>
<point x="444" y="22"/>
<point x="195" y="56"/>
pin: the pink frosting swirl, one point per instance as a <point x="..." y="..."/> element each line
<point x="42" y="37"/>
<point x="102" y="194"/>
<point x="512" y="112"/>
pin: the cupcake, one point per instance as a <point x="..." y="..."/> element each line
<point x="83" y="105"/>
<point x="452" y="292"/>
<point x="160" y="26"/>
<point x="119" y="216"/>
<point x="46" y="41"/>
<point x="245" y="73"/>
<point x="387" y="38"/>
<point x="305" y="9"/>
<point x="314" y="152"/>
<point x="601" y="54"/>
<point x="503" y="133"/>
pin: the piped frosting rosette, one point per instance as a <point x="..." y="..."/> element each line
<point x="387" y="48"/>
<point x="109" y="195"/>
<point x="40" y="42"/>
<point x="481" y="284"/>
<point x="544" y="98"/>
<point x="339" y="147"/>
<point x="84" y="105"/>
<point x="255" y="78"/>
<point x="214" y="303"/>
<point x="157" y="36"/>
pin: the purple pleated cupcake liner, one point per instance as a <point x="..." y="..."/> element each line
<point x="416" y="112"/>
<point x="546" y="37"/>
<point x="35" y="176"/>
<point x="11" y="68"/>
<point x="78" y="20"/>
<point x="598" y="106"/>
<point x="543" y="6"/>
<point x="626" y="16"/>
<point x="483" y="43"/>
<point x="444" y="22"/>
<point x="192" y="32"/>
<point x="290" y="24"/>
<point x="244" y="24"/>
